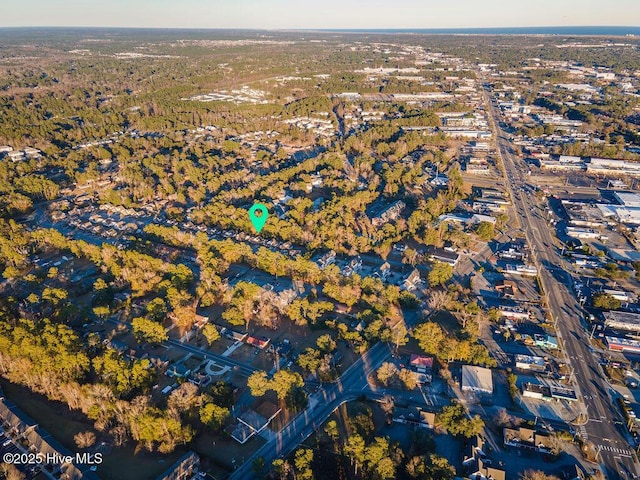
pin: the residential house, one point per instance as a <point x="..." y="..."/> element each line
<point x="443" y="255"/>
<point x="414" y="417"/>
<point x="392" y="212"/>
<point x="260" y="343"/>
<point x="423" y="366"/>
<point x="327" y="259"/>
<point x="526" y="438"/>
<point x="412" y="281"/>
<point x="479" y="465"/>
<point x="252" y="422"/>
<point x="178" y="370"/>
<point x="384" y="271"/>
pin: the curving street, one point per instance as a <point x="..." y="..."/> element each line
<point x="321" y="405"/>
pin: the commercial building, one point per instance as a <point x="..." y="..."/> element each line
<point x="561" y="393"/>
<point x="514" y="313"/>
<point x="622" y="321"/>
<point x="548" y="393"/>
<point x="586" y="233"/>
<point x="456" y="133"/>
<point x="535" y="391"/>
<point x="582" y="214"/>
<point x="555" y="165"/>
<point x="524" y="270"/>
<point x="610" y="166"/>
<point x="626" y="297"/>
<point x="530" y="363"/>
<point x="628" y="199"/>
<point x="621" y="214"/>
<point x="483" y="206"/>
<point x="546" y="342"/>
<point x="477" y="379"/>
<point x="516" y="250"/>
<point x="477" y="166"/>
<point x="507" y="288"/>
<point x="622" y="344"/>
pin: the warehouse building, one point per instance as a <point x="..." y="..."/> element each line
<point x="477" y="379"/>
<point x="622" y="321"/>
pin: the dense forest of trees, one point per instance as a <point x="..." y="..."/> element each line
<point x="119" y="131"/>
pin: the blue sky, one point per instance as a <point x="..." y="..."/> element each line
<point x="274" y="14"/>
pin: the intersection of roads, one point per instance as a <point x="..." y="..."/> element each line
<point x="601" y="424"/>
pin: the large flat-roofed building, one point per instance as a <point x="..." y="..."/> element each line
<point x="611" y="166"/>
<point x="621" y="213"/>
<point x="477" y="379"/>
<point x="516" y="313"/>
<point x="583" y="214"/>
<point x="466" y="133"/>
<point x="534" y="390"/>
<point x="628" y="199"/>
<point x="576" y="232"/>
<point x="622" y="321"/>
<point x="623" y="344"/>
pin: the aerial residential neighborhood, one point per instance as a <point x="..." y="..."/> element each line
<point x="446" y="283"/>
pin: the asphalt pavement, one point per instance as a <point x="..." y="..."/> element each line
<point x="351" y="385"/>
<point x="602" y="428"/>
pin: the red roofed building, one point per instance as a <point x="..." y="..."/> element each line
<point x="423" y="366"/>
<point x="260" y="343"/>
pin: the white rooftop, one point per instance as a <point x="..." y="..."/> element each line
<point x="628" y="199"/>
<point x="478" y="379"/>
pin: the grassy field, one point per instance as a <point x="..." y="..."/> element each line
<point x="221" y="451"/>
<point x="63" y="424"/>
<point x="54" y="417"/>
<point x="125" y="464"/>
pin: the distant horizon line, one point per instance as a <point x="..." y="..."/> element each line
<point x="635" y="28"/>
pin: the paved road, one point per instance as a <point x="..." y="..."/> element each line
<point x="322" y="404"/>
<point x="601" y="429"/>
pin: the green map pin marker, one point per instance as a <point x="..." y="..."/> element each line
<point x="258" y="215"/>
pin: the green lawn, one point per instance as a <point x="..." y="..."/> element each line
<point x="221" y="450"/>
<point x="124" y="464"/>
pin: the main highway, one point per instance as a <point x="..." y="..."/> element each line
<point x="603" y="428"/>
